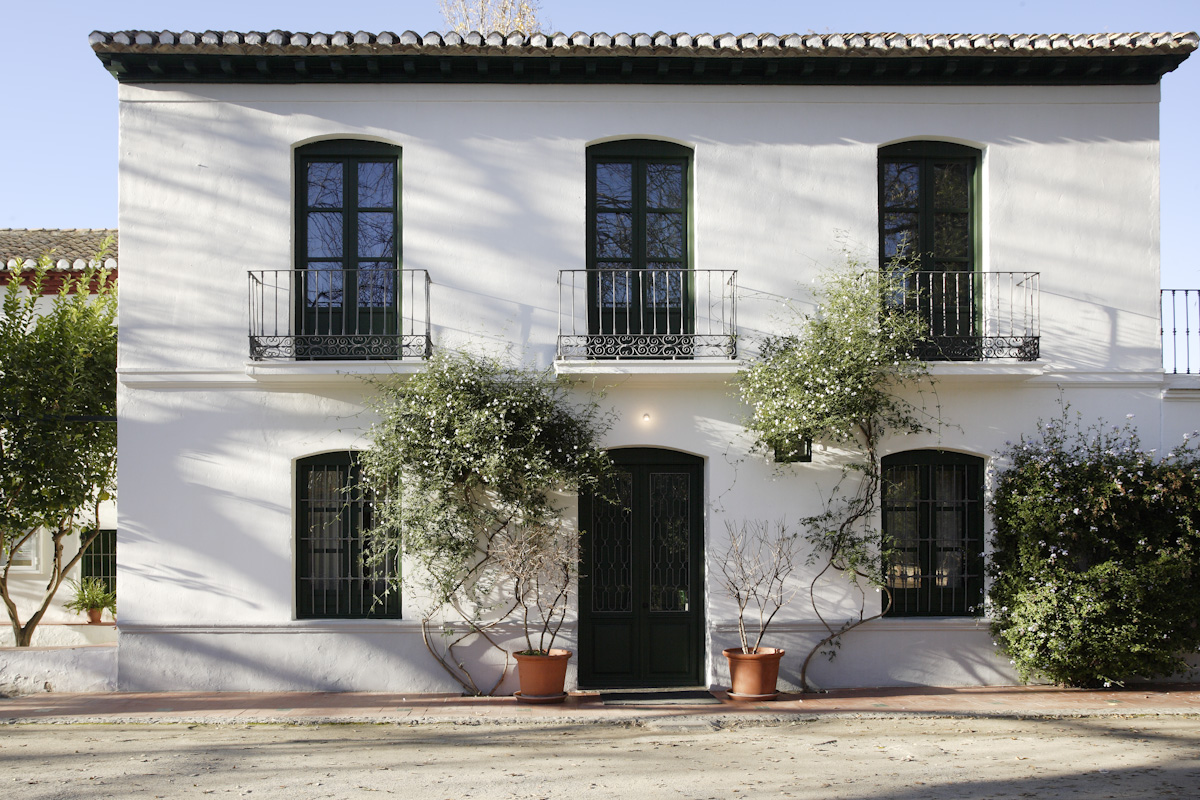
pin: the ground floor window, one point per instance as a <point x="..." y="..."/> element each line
<point x="933" y="526"/>
<point x="24" y="557"/>
<point x="334" y="510"/>
<point x="100" y="559"/>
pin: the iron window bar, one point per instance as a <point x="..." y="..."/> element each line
<point x="335" y="313"/>
<point x="662" y="313"/>
<point x="974" y="316"/>
<point x="1179" y="326"/>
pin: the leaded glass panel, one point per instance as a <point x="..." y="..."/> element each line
<point x="612" y="547"/>
<point x="670" y="528"/>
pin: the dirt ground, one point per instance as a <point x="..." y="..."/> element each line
<point x="1091" y="757"/>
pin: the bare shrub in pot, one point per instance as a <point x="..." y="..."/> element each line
<point x="755" y="567"/>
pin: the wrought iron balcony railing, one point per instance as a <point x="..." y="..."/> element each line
<point x="972" y="316"/>
<point x="354" y="314"/>
<point x="1180" y="327"/>
<point x="647" y="313"/>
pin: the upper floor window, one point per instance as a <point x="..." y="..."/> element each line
<point x="333" y="512"/>
<point x="348" y="250"/>
<point x="928" y="231"/>
<point x="932" y="507"/>
<point x="639" y="290"/>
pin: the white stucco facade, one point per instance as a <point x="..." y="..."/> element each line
<point x="493" y="206"/>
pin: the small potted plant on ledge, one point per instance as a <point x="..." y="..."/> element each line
<point x="540" y="565"/>
<point x="754" y="571"/>
<point x="91" y="595"/>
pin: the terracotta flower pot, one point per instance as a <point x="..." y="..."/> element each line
<point x="753" y="675"/>
<point x="542" y="677"/>
<point x="94" y="614"/>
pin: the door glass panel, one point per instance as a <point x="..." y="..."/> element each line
<point x="615" y="285"/>
<point x="376" y="234"/>
<point x="665" y="286"/>
<point x="376" y="284"/>
<point x="951" y="235"/>
<point x="664" y="185"/>
<point x="670" y="527"/>
<point x="952" y="186"/>
<point x="324" y="234"/>
<point x="612" y="547"/>
<point x="900" y="234"/>
<point x="324" y="285"/>
<point x="376" y="184"/>
<point x="901" y="184"/>
<point x="664" y="236"/>
<point x="614" y="185"/>
<point x="325" y="184"/>
<point x="614" y="235"/>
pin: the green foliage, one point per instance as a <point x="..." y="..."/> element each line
<point x="463" y="463"/>
<point x="836" y="378"/>
<point x="58" y="358"/>
<point x="1096" y="554"/>
<point x="91" y="593"/>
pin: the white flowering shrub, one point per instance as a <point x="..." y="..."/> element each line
<point x="462" y="465"/>
<point x="834" y="377"/>
<point x="1096" y="555"/>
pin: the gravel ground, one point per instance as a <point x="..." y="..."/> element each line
<point x="1089" y="757"/>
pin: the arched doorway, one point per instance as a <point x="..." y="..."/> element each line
<point x="641" y="577"/>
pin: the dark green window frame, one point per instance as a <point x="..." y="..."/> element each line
<point x="348" y="249"/>
<point x="932" y="516"/>
<point x="100" y="559"/>
<point x="333" y="510"/>
<point x="637" y="234"/>
<point x="929" y="236"/>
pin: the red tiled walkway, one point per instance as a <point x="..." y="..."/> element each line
<point x="243" y="707"/>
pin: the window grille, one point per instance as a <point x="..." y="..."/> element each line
<point x="331" y="577"/>
<point x="933" y="528"/>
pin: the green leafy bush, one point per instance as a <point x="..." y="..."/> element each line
<point x="1096" y="555"/>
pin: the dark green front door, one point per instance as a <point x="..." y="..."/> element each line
<point x="640" y="589"/>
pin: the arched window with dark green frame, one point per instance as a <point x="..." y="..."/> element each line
<point x="932" y="505"/>
<point x="929" y="237"/>
<point x="348" y="250"/>
<point x="639" y="249"/>
<point x="333" y="510"/>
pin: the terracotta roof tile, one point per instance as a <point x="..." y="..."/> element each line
<point x="518" y="43"/>
<point x="70" y="247"/>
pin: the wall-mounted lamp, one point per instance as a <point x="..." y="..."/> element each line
<point x="645" y="417"/>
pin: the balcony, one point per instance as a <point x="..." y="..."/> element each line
<point x="975" y="316"/>
<point x="631" y="314"/>
<point x="1180" y="327"/>
<point x="339" y="314"/>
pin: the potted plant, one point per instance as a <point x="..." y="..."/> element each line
<point x="754" y="570"/>
<point x="91" y="595"/>
<point x="540" y="564"/>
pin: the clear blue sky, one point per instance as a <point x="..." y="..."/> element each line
<point x="58" y="141"/>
